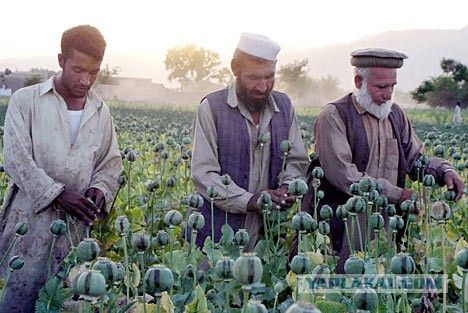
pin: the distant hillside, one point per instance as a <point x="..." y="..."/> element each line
<point x="425" y="49"/>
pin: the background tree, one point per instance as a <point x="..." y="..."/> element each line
<point x="32" y="80"/>
<point x="293" y="78"/>
<point x="191" y="65"/>
<point x="446" y="89"/>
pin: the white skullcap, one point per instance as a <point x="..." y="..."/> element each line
<point x="259" y="46"/>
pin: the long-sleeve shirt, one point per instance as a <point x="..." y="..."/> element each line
<point x="41" y="162"/>
<point x="335" y="154"/>
<point x="206" y="168"/>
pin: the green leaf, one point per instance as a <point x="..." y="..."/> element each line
<point x="51" y="297"/>
<point x="435" y="265"/>
<point x="199" y="303"/>
<point x="329" y="306"/>
<point x="213" y="254"/>
<point x="228" y="235"/>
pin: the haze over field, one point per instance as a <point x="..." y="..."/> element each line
<point x="140" y="32"/>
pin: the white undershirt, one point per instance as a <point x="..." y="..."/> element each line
<point x="75" y="120"/>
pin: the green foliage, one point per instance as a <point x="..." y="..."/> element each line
<point x="33" y="80"/>
<point x="52" y="296"/>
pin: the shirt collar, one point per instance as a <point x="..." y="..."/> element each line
<point x="233" y="101"/>
<point x="46" y="86"/>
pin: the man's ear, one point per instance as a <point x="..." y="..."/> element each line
<point x="235" y="68"/>
<point x="61" y="60"/>
<point x="358" y="81"/>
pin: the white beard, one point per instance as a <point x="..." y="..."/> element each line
<point x="365" y="100"/>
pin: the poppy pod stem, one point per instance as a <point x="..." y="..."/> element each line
<point x="359" y="233"/>
<point x="128" y="185"/>
<point x="227" y="194"/>
<point x="171" y="244"/>
<point x="6" y="284"/>
<point x="351" y="247"/>
<point x="212" y="224"/>
<point x="377" y="239"/>
<point x="426" y="217"/>
<point x="444" y="264"/>
<point x="464" y="290"/>
<point x="12" y="244"/>
<point x="54" y="239"/>
<point x="127" y="270"/>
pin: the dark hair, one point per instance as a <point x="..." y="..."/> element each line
<point x="84" y="38"/>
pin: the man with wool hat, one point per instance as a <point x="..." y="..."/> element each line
<point x="238" y="131"/>
<point x="366" y="134"/>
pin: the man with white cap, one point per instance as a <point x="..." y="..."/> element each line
<point x="230" y="131"/>
<point x="366" y="134"/>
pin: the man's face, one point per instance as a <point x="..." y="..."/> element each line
<point x="381" y="83"/>
<point x="79" y="72"/>
<point x="255" y="81"/>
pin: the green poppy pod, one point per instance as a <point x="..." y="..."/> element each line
<point x="164" y="155"/>
<point x="447" y="126"/>
<point x="378" y="187"/>
<point x="462" y="259"/>
<point x="441" y="211"/>
<point x="264" y="202"/>
<point x="402" y="264"/>
<point x="190" y="270"/>
<point x="452" y="151"/>
<point x="88" y="250"/>
<point x="196" y="220"/>
<point x="390" y="210"/>
<point x="16" y="263"/>
<point x="122" y="225"/>
<point x="158" y="279"/>
<point x="162" y="238"/>
<point x="418" y="164"/>
<point x="411" y="218"/>
<point x="320" y="194"/>
<point x="303" y="221"/>
<point x="139" y="137"/>
<point x="90" y="283"/>
<point x="255" y="306"/>
<point x="457" y="156"/>
<point x="439" y="151"/>
<point x="317" y="172"/>
<point x="171" y="182"/>
<point x="159" y="147"/>
<point x="58" y="228"/>
<point x="303" y="307"/>
<point x="450" y="195"/>
<point x="186" y="140"/>
<point x="424" y="160"/>
<point x="264" y="138"/>
<point x="170" y="141"/>
<point x="366" y="184"/>
<point x="248" y="269"/>
<point x="226" y="180"/>
<point x="173" y="217"/>
<point x="356" y="204"/>
<point x="365" y="298"/>
<point x="241" y="237"/>
<point x="196" y="201"/>
<point x="107" y="268"/>
<point x="224" y="268"/>
<point x="354" y="265"/>
<point x="373" y="195"/>
<point x="376" y="221"/>
<point x="185" y="156"/>
<point x="324" y="228"/>
<point x="342" y="212"/>
<point x="140" y="242"/>
<point x="396" y="222"/>
<point x="285" y="146"/>
<point x="21" y="228"/>
<point x="354" y="189"/>
<point x="121" y="180"/>
<point x="431" y="135"/>
<point x="131" y="157"/>
<point x="326" y="212"/>
<point x="382" y="201"/>
<point x="301" y="264"/>
<point x="461" y="167"/>
<point x="298" y="187"/>
<point x="212" y="192"/>
<point x="428" y="181"/>
<point x="407" y="206"/>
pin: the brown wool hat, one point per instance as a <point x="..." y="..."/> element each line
<point x="377" y="57"/>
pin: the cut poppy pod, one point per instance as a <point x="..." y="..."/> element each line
<point x="324" y="228"/>
<point x="301" y="264"/>
<point x="107" y="268"/>
<point x="122" y="225"/>
<point x="382" y="201"/>
<point x="212" y="192"/>
<point x="196" y="220"/>
<point x="365" y="298"/>
<point x="373" y="195"/>
<point x="58" y="228"/>
<point x="226" y="179"/>
<point x="439" y="151"/>
<point x="450" y="195"/>
<point x="173" y="217"/>
<point x="224" y="268"/>
<point x="158" y="279"/>
<point x="376" y="221"/>
<point x="356" y="204"/>
<point x="303" y="307"/>
<point x="402" y="264"/>
<point x="196" y="201"/>
<point x="241" y="237"/>
<point x="366" y="184"/>
<point x="16" y="263"/>
<point x="162" y="238"/>
<point x="21" y="228"/>
<point x="390" y="210"/>
<point x="303" y="221"/>
<point x="255" y="306"/>
<point x="441" y="211"/>
<point x="428" y="181"/>
<point x="354" y="189"/>
<point x="90" y="283"/>
<point x="407" y="206"/>
<point x="462" y="259"/>
<point x="264" y="202"/>
<point x="396" y="222"/>
<point x="342" y="212"/>
<point x="317" y="172"/>
<point x="140" y="242"/>
<point x="88" y="250"/>
<point x="248" y="269"/>
<point x="298" y="187"/>
<point x="326" y="212"/>
<point x="354" y="265"/>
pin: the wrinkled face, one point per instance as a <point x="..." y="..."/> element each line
<point x="79" y="72"/>
<point x="255" y="81"/>
<point x="380" y="84"/>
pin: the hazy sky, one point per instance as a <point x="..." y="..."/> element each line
<point x="32" y="27"/>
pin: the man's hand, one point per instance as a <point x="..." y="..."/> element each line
<point x="96" y="195"/>
<point x="454" y="183"/>
<point x="280" y="197"/>
<point x="78" y="206"/>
